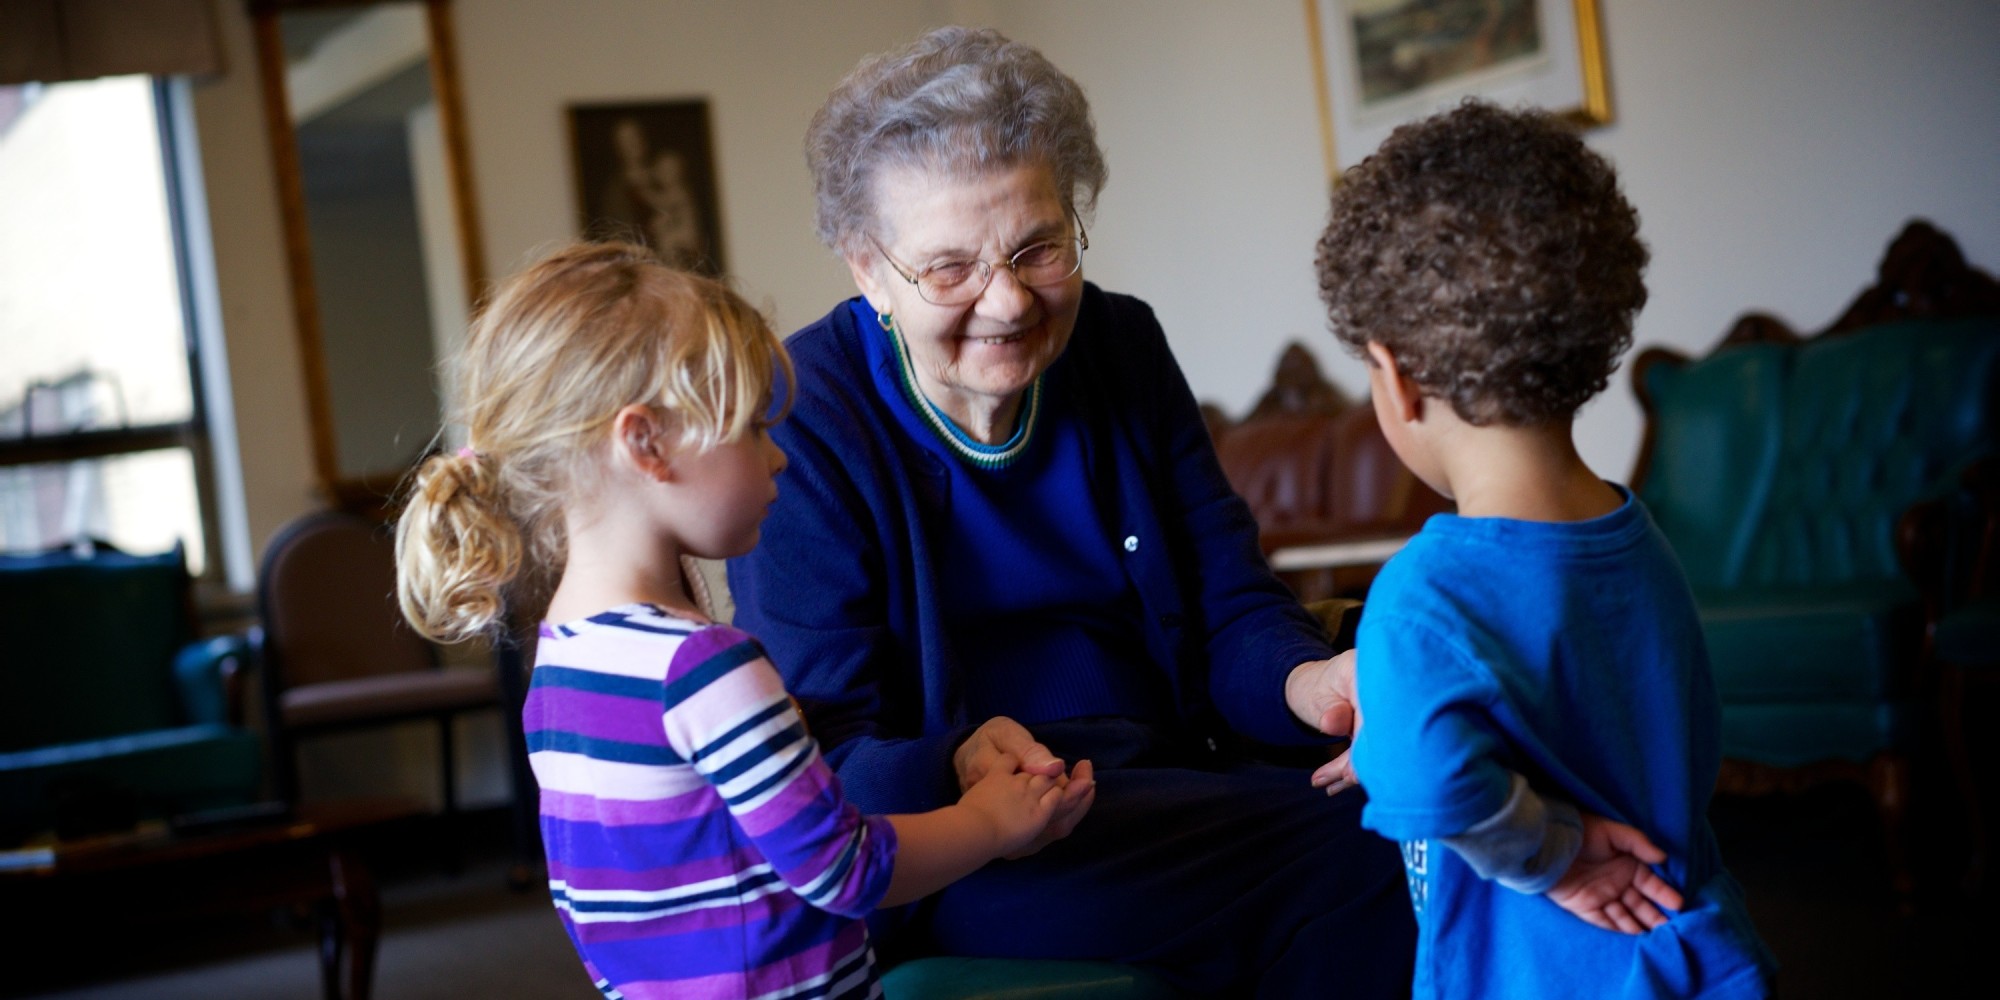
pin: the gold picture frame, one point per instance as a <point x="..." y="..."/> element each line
<point x="1380" y="63"/>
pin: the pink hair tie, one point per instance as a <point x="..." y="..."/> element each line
<point x="466" y="452"/>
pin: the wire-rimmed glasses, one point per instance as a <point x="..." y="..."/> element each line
<point x="956" y="282"/>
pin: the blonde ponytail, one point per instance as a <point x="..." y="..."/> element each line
<point x="457" y="549"/>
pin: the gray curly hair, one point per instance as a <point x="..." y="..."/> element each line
<point x="957" y="100"/>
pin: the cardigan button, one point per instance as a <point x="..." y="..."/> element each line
<point x="1131" y="543"/>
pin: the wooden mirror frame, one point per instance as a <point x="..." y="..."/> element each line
<point x="371" y="492"/>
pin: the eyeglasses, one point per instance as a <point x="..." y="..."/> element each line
<point x="956" y="282"/>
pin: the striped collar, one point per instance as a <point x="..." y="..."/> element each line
<point x="984" y="456"/>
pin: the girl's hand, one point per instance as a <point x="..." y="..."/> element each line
<point x="1017" y="806"/>
<point x="1609" y="885"/>
<point x="1079" y="790"/>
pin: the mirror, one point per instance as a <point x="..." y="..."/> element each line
<point x="362" y="104"/>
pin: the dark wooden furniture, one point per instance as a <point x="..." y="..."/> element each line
<point x="1331" y="499"/>
<point x="109" y="886"/>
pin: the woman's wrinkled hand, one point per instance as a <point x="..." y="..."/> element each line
<point x="1003" y="743"/>
<point x="1321" y="694"/>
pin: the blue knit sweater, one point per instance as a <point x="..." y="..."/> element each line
<point x="845" y="589"/>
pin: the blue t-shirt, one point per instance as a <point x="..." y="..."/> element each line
<point x="1569" y="653"/>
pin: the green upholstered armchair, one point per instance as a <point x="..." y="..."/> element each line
<point x="114" y="711"/>
<point x="1779" y="467"/>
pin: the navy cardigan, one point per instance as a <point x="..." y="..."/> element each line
<point x="842" y="590"/>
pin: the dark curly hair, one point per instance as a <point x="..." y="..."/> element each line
<point x="1493" y="253"/>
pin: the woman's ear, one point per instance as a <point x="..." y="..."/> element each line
<point x="1405" y="399"/>
<point x="639" y="440"/>
<point x="861" y="265"/>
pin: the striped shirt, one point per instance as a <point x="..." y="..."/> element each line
<point x="698" y="846"/>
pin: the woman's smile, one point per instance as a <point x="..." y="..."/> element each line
<point x="973" y="360"/>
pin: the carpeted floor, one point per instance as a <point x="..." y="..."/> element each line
<point x="1811" y="865"/>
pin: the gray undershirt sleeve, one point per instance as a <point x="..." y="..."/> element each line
<point x="1527" y="845"/>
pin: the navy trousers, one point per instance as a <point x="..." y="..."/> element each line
<point x="1234" y="878"/>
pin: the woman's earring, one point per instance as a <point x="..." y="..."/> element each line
<point x="888" y="322"/>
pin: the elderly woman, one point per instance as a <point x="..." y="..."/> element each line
<point x="1005" y="541"/>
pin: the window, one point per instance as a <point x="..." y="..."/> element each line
<point x="102" y="430"/>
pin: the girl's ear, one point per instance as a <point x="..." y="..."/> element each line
<point x="639" y="440"/>
<point x="1405" y="399"/>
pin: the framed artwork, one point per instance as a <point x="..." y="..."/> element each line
<point x="645" y="172"/>
<point x="1381" y="63"/>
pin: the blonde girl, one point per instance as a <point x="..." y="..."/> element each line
<point x="618" y="413"/>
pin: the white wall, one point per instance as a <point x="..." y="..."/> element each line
<point x="1772" y="149"/>
<point x="268" y="391"/>
<point x="763" y="65"/>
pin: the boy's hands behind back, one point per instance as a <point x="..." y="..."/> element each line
<point x="1610" y="885"/>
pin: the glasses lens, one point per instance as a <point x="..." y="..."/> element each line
<point x="955" y="282"/>
<point x="1045" y="263"/>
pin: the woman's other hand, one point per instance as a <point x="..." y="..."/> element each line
<point x="1321" y="694"/>
<point x="1002" y="743"/>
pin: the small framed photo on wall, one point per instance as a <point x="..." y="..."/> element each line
<point x="1381" y="63"/>
<point x="645" y="172"/>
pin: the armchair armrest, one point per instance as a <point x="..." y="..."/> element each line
<point x="208" y="676"/>
<point x="1360" y="551"/>
<point x="1340" y="616"/>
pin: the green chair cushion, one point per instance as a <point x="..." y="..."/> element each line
<point x="951" y="978"/>
<point x="1810" y="644"/>
<point x="1800" y="734"/>
<point x="1808" y="674"/>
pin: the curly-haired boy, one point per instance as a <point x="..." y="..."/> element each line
<point x="1531" y="670"/>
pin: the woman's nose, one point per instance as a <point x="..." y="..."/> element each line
<point x="1005" y="298"/>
